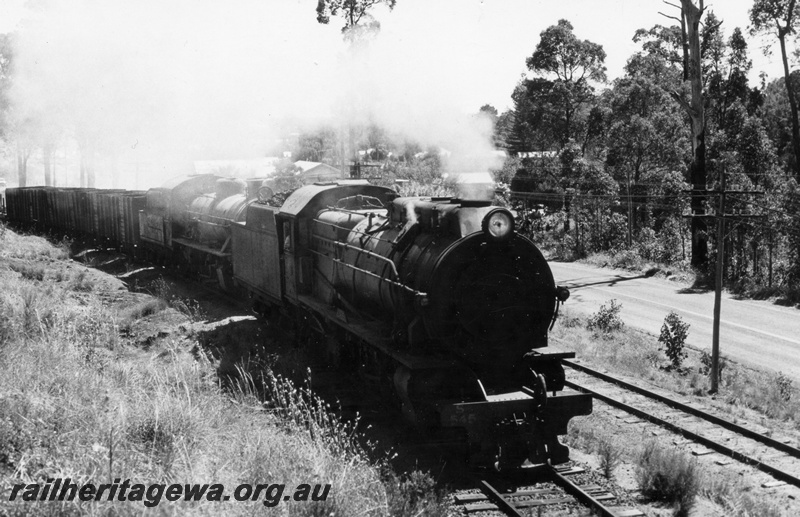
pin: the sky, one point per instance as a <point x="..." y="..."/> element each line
<point x="218" y="79"/>
<point x="478" y="46"/>
<point x="485" y="43"/>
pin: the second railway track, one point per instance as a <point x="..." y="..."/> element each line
<point x="774" y="456"/>
<point x="542" y="487"/>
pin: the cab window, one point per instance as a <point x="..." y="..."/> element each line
<point x="287" y="236"/>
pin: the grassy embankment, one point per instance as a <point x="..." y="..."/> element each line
<point x="79" y="399"/>
<point x="663" y="473"/>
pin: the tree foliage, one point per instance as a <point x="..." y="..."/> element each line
<point x="550" y="108"/>
<point x="355" y="13"/>
<point x="779" y="17"/>
<point x="561" y="54"/>
<point x="6" y="61"/>
<point x="673" y="336"/>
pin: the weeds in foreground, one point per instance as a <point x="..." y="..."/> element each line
<point x="705" y="364"/>
<point x="161" y="289"/>
<point x="784" y="385"/>
<point x="661" y="471"/>
<point x="414" y="494"/>
<point x="732" y="496"/>
<point x="606" y="319"/>
<point x="669" y="476"/>
<point x="610" y="457"/>
<point x="299" y="408"/>
<point x="768" y="393"/>
<point x="673" y="336"/>
<point x="587" y="433"/>
<point x="82" y="281"/>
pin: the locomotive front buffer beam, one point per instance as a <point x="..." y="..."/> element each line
<point x="510" y="428"/>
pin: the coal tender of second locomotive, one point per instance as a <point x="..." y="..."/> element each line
<point x="437" y="300"/>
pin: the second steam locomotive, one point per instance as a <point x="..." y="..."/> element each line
<point x="437" y="300"/>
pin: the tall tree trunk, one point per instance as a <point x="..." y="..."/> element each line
<point x="113" y="169"/>
<point x="792" y="100"/>
<point x="47" y="155"/>
<point x="87" y="164"/>
<point x="22" y="166"/>
<point x="697" y="169"/>
<point x="22" y="173"/>
<point x="90" y="175"/>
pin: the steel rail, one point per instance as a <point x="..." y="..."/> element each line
<point x="580" y="494"/>
<point x="497" y="498"/>
<point x="711" y="444"/>
<point x="727" y="424"/>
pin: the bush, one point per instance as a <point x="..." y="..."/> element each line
<point x="732" y="495"/>
<point x="668" y="476"/>
<point x="163" y="291"/>
<point x="610" y="457"/>
<point x="414" y="494"/>
<point x="673" y="338"/>
<point x="606" y="319"/>
<point x="784" y="385"/>
<point x="705" y="361"/>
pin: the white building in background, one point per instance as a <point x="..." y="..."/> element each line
<point x="253" y="168"/>
<point x="312" y="172"/>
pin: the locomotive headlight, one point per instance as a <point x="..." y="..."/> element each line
<point x="498" y="224"/>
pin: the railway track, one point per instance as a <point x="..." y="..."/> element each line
<point x="713" y="434"/>
<point x="543" y="487"/>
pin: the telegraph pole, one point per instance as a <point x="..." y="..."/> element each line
<point x="718" y="287"/>
<point x="721" y="216"/>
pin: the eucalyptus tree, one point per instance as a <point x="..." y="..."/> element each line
<point x="779" y="17"/>
<point x="691" y="15"/>
<point x="564" y="68"/>
<point x="355" y="13"/>
<point x="647" y="138"/>
<point x="683" y="44"/>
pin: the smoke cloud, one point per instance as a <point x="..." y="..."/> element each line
<point x="143" y="88"/>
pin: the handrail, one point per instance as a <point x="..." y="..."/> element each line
<point x="352" y="230"/>
<point x="369" y="273"/>
<point x="371" y="254"/>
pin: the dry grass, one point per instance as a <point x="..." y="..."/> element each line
<point x="736" y="499"/>
<point x="634" y="353"/>
<point x="77" y="402"/>
<point x="669" y="476"/>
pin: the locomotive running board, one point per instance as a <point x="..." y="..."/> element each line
<point x="200" y="247"/>
<point x="551" y="353"/>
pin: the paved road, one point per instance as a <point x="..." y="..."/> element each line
<point x="757" y="333"/>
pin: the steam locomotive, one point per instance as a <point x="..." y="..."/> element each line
<point x="437" y="300"/>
